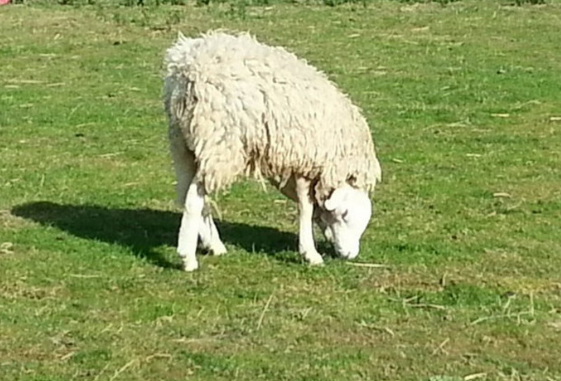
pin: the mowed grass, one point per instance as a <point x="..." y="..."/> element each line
<point x="465" y="107"/>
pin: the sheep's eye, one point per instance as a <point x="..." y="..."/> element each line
<point x="345" y="214"/>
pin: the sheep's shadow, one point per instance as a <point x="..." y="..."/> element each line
<point x="143" y="230"/>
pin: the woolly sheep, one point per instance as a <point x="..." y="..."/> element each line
<point x="238" y="107"/>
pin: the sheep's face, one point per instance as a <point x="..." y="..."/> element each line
<point x="343" y="219"/>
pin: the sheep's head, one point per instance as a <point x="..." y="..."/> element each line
<point x="343" y="219"/>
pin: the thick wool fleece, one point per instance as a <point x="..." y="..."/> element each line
<point x="245" y="108"/>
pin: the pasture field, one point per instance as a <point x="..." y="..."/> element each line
<point x="464" y="101"/>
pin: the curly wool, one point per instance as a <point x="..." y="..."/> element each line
<point x="245" y="108"/>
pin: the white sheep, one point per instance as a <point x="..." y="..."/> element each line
<point x="239" y="107"/>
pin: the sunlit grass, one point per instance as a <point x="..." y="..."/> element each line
<point x="465" y="109"/>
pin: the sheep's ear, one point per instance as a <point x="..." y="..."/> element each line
<point x="180" y="36"/>
<point x="336" y="199"/>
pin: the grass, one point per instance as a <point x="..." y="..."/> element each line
<point x="464" y="105"/>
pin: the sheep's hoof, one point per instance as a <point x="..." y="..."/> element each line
<point x="190" y="266"/>
<point x="316" y="263"/>
<point x="218" y="249"/>
<point x="314" y="260"/>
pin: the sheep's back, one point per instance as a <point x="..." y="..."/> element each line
<point x="285" y="116"/>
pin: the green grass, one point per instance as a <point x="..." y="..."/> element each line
<point x="464" y="103"/>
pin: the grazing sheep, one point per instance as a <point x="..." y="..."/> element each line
<point x="238" y="107"/>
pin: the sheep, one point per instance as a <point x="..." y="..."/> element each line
<point x="237" y="107"/>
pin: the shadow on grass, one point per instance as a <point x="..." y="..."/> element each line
<point x="143" y="230"/>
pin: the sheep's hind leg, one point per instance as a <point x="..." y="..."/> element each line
<point x="210" y="239"/>
<point x="306" y="210"/>
<point x="189" y="196"/>
<point x="190" y="225"/>
<point x="185" y="169"/>
<point x="183" y="163"/>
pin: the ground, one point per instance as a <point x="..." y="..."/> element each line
<point x="465" y="108"/>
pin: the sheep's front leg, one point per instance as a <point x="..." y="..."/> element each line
<point x="190" y="225"/>
<point x="210" y="239"/>
<point x="306" y="210"/>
